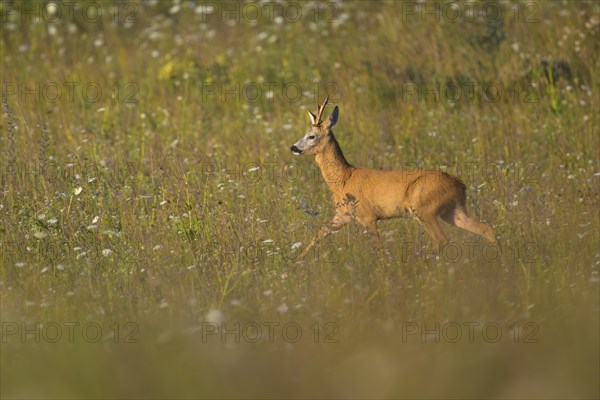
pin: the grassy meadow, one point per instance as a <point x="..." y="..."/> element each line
<point x="151" y="212"/>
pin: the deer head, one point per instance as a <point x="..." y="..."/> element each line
<point x="319" y="132"/>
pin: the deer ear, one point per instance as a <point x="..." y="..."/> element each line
<point x="333" y="118"/>
<point x="312" y="116"/>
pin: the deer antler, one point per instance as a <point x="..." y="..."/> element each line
<point x="320" y="110"/>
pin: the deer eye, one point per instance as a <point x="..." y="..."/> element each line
<point x="312" y="137"/>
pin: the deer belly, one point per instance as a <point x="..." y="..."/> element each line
<point x="392" y="212"/>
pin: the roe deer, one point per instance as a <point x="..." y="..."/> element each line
<point x="368" y="195"/>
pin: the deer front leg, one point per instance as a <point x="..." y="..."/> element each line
<point x="336" y="223"/>
<point x="371" y="226"/>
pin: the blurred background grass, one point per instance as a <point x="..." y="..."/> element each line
<point x="146" y="178"/>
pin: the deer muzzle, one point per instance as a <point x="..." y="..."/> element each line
<point x="295" y="150"/>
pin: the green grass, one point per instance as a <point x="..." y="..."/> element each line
<point x="145" y="206"/>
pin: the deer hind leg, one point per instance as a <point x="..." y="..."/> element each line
<point x="459" y="217"/>
<point x="432" y="227"/>
<point x="336" y="223"/>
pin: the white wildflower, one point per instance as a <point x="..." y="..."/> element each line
<point x="215" y="316"/>
<point x="283" y="308"/>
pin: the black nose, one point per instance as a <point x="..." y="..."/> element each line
<point x="294" y="149"/>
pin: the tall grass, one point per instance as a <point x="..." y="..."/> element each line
<point x="166" y="206"/>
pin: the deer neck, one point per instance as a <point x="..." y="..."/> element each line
<point x="333" y="165"/>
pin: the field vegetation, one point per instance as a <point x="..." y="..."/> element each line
<point x="151" y="213"/>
